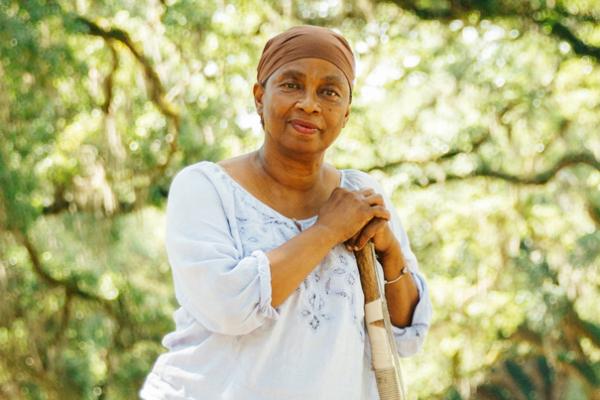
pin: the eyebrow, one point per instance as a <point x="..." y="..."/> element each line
<point x="297" y="74"/>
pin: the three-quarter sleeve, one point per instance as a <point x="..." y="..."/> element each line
<point x="410" y="339"/>
<point x="224" y="292"/>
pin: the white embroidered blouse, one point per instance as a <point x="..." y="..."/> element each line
<point x="229" y="342"/>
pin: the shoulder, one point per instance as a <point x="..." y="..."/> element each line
<point x="240" y="169"/>
<point x="333" y="176"/>
<point x="194" y="175"/>
<point x="236" y="166"/>
<point x="358" y="179"/>
<point x="204" y="179"/>
<point x="357" y="174"/>
<point x="201" y="187"/>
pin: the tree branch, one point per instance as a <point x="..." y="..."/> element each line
<point x="538" y="179"/>
<point x="70" y="286"/>
<point x="109" y="80"/>
<point x="115" y="308"/>
<point x="442" y="157"/>
<point x="61" y="205"/>
<point x="554" y="17"/>
<point x="579" y="46"/>
<point x="156" y="90"/>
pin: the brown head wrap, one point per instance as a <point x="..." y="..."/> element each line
<point x="306" y="41"/>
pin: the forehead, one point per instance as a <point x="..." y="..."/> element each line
<point x="311" y="68"/>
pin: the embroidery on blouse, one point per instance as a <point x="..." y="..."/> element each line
<point x="347" y="272"/>
<point x="315" y="313"/>
<point x="335" y="276"/>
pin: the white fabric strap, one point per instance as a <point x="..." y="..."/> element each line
<point x="374" y="311"/>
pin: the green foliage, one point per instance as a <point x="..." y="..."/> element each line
<point x="479" y="117"/>
<point x="495" y="392"/>
<point x="522" y="380"/>
<point x="547" y="373"/>
<point x="453" y="394"/>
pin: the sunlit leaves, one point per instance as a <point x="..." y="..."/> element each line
<point x="452" y="116"/>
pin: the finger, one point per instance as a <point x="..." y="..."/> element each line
<point x="351" y="242"/>
<point x="380" y="212"/>
<point x="369" y="232"/>
<point x="375" y="199"/>
<point x="338" y="191"/>
<point x="364" y="235"/>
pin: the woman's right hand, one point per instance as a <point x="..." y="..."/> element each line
<point x="346" y="212"/>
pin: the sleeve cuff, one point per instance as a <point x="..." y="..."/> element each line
<point x="410" y="339"/>
<point x="264" y="276"/>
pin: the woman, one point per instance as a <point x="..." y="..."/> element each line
<point x="261" y="249"/>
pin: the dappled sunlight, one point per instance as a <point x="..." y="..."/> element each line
<point x="480" y="122"/>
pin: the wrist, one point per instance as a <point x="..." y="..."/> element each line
<point x="326" y="234"/>
<point x="391" y="251"/>
<point x="392" y="261"/>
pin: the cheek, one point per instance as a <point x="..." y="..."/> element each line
<point x="338" y="119"/>
<point x="271" y="115"/>
<point x="277" y="109"/>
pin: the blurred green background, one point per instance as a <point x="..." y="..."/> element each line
<point x="481" y="119"/>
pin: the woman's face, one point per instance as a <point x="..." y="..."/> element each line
<point x="304" y="105"/>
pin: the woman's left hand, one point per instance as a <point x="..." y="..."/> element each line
<point x="377" y="229"/>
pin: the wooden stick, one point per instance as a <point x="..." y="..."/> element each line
<point x="384" y="354"/>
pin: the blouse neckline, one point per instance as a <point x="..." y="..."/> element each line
<point x="266" y="206"/>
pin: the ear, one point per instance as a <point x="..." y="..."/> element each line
<point x="258" y="91"/>
<point x="346" y="116"/>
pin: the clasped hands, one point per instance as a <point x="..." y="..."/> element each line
<point x="357" y="217"/>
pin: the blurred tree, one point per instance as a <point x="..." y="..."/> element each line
<point x="480" y="117"/>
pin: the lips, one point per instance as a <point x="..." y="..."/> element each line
<point x="304" y="126"/>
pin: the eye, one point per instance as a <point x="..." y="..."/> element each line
<point x="290" y="85"/>
<point x="330" y="92"/>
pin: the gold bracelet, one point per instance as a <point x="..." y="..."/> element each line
<point x="402" y="273"/>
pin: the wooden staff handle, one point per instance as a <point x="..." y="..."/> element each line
<point x="385" y="359"/>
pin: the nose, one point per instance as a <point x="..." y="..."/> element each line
<point x="308" y="103"/>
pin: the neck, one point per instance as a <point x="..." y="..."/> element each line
<point x="298" y="174"/>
